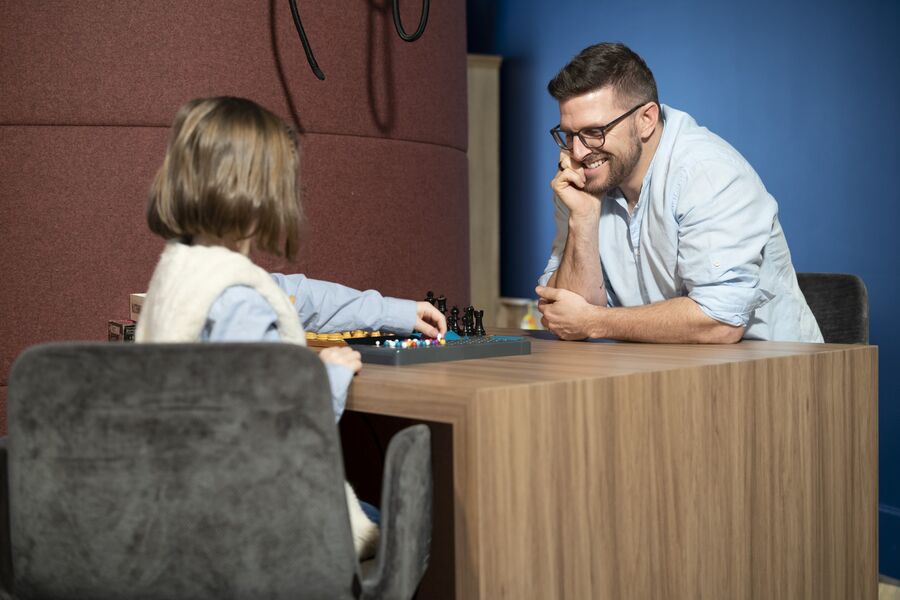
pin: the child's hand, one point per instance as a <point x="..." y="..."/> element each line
<point x="348" y="357"/>
<point x="429" y="320"/>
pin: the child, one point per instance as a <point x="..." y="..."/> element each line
<point x="228" y="182"/>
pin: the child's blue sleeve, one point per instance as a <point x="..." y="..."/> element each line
<point x="240" y="314"/>
<point x="324" y="306"/>
<point x="339" y="378"/>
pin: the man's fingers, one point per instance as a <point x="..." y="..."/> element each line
<point x="547" y="293"/>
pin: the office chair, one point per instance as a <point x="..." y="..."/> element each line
<point x="840" y="304"/>
<point x="200" y="471"/>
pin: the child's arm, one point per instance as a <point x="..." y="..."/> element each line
<point x="324" y="306"/>
<point x="341" y="364"/>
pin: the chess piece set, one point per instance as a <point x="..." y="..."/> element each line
<point x="471" y="323"/>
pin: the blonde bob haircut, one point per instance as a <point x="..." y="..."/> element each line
<point x="230" y="172"/>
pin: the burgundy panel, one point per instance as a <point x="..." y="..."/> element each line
<point x="75" y="243"/>
<point x="121" y="62"/>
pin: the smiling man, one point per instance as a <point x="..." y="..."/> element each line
<point x="664" y="232"/>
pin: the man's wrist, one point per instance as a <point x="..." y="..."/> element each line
<point x="597" y="327"/>
<point x="585" y="218"/>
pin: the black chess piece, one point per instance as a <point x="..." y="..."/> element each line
<point x="453" y="321"/>
<point x="469" y="320"/>
<point x="479" y="325"/>
<point x="429" y="298"/>
<point x="442" y="304"/>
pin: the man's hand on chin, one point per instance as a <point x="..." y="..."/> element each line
<point x="565" y="313"/>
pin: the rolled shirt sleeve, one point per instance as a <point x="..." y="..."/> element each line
<point x="725" y="220"/>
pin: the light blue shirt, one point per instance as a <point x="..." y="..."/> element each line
<point x="241" y="314"/>
<point x="704" y="227"/>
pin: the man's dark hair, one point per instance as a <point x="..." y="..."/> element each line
<point x="606" y="64"/>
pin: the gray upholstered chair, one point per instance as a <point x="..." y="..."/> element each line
<point x="193" y="472"/>
<point x="840" y="304"/>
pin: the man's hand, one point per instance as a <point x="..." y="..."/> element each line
<point x="429" y="320"/>
<point x="568" y="185"/>
<point x="343" y="355"/>
<point x="565" y="313"/>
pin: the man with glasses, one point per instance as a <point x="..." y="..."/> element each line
<point x="664" y="232"/>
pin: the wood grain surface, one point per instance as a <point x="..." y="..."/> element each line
<point x="612" y="470"/>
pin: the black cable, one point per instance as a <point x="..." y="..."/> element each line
<point x="398" y="25"/>
<point x="423" y="21"/>
<point x="310" y="57"/>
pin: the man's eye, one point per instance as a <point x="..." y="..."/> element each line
<point x="592" y="133"/>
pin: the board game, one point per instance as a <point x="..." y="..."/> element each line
<point x="465" y="338"/>
<point x="403" y="350"/>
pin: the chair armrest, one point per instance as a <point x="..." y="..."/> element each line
<point x="406" y="498"/>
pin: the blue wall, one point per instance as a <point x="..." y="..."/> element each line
<point x="808" y="91"/>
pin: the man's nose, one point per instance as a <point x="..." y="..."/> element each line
<point x="579" y="150"/>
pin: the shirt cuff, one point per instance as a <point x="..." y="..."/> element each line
<point x="730" y="304"/>
<point x="543" y="279"/>
<point x="398" y="316"/>
<point x="339" y="378"/>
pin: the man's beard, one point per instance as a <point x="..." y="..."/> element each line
<point x="620" y="167"/>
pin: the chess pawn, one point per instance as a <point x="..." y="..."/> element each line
<point x="429" y="298"/>
<point x="479" y="325"/>
<point x="442" y="304"/>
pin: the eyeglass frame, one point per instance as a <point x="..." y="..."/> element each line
<point x="603" y="129"/>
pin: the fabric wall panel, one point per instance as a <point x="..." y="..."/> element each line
<point x="72" y="224"/>
<point x="133" y="63"/>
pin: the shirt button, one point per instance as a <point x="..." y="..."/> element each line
<point x="716" y="264"/>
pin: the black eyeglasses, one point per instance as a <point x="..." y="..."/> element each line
<point x="591" y="137"/>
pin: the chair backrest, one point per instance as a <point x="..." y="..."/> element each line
<point x="176" y="471"/>
<point x="840" y="304"/>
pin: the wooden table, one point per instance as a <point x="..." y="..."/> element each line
<point x="631" y="471"/>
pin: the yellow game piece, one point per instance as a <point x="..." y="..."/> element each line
<point x="334" y="337"/>
<point x="359" y="333"/>
<point x="376" y="334"/>
<point x="346" y="334"/>
<point x="311" y="335"/>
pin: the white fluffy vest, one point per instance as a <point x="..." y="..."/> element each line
<point x="189" y="279"/>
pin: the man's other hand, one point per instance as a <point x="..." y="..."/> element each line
<point x="565" y="313"/>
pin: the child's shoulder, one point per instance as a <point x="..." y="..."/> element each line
<point x="241" y="299"/>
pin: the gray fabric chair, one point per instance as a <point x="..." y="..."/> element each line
<point x="158" y="472"/>
<point x="840" y="303"/>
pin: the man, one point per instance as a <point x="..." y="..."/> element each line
<point x="664" y="232"/>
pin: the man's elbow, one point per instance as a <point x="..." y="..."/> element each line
<point x="722" y="333"/>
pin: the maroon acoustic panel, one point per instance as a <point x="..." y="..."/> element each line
<point x="72" y="224"/>
<point x="133" y="63"/>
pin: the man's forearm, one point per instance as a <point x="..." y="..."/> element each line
<point x="675" y="321"/>
<point x="580" y="270"/>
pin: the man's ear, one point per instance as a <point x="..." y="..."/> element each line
<point x="648" y="117"/>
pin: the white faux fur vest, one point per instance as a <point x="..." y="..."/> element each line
<point x="186" y="283"/>
<point x="189" y="279"/>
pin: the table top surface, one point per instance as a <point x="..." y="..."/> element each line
<point x="553" y="360"/>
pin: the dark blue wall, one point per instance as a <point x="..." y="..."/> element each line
<point x="808" y="91"/>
